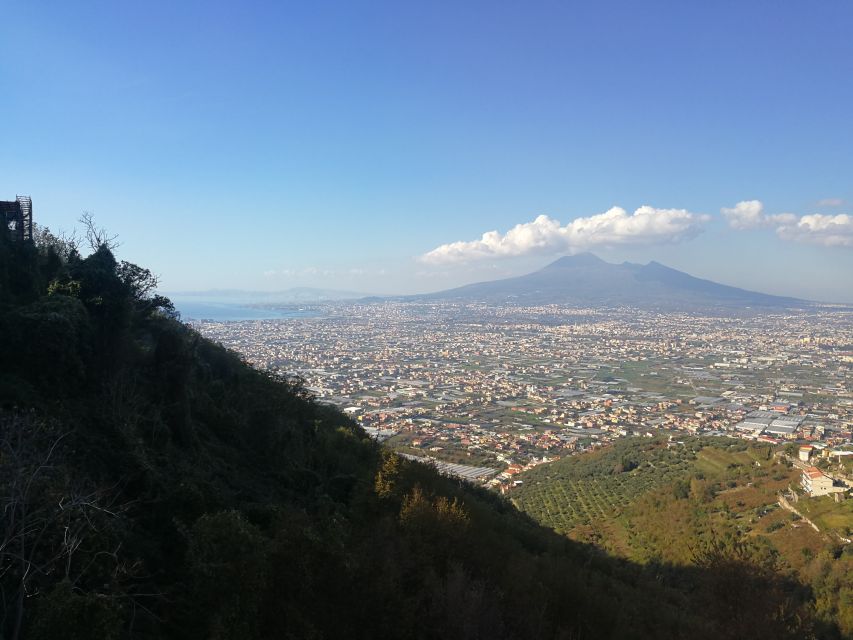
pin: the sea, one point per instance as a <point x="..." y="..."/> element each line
<point x="194" y="309"/>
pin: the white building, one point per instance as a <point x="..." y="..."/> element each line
<point x="817" y="483"/>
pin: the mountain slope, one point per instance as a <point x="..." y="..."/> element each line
<point x="658" y="499"/>
<point x="585" y="279"/>
<point x="157" y="487"/>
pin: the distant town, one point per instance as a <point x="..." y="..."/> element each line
<point x="486" y="392"/>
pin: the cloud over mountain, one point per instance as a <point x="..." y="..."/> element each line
<point x="545" y="235"/>
<point x="815" y="228"/>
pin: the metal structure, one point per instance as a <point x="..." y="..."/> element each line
<point x="17" y="218"/>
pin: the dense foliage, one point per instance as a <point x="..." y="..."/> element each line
<point x="155" y="486"/>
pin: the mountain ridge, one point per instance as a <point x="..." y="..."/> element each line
<point x="586" y="279"/>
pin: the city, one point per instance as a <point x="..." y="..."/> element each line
<point x="493" y="391"/>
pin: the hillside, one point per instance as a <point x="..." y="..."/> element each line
<point x="158" y="487"/>
<point x="586" y="280"/>
<point x="660" y="501"/>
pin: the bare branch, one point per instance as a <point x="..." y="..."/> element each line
<point x="95" y="236"/>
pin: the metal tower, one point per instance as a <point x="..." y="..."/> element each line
<point x="17" y="217"/>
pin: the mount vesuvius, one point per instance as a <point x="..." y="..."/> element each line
<point x="586" y="280"/>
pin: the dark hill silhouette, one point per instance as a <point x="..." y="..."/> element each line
<point x="587" y="280"/>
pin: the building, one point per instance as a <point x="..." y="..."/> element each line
<point x="805" y="452"/>
<point x="17" y="217"/>
<point x="817" y="483"/>
<point x="753" y="426"/>
<point x="781" y="430"/>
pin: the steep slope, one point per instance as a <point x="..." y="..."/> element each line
<point x="585" y="279"/>
<point x="157" y="487"/>
<point x="652" y="500"/>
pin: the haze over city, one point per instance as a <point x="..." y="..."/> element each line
<point x="391" y="149"/>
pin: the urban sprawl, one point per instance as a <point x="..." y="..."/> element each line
<point x="486" y="392"/>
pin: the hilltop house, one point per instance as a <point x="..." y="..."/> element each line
<point x="817" y="483"/>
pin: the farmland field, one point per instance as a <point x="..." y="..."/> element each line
<point x="730" y="485"/>
<point x="600" y="485"/>
<point x="828" y="514"/>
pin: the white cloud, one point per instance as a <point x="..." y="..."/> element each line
<point x="816" y="228"/>
<point x="544" y="235"/>
<point x="747" y="214"/>
<point x="830" y="231"/>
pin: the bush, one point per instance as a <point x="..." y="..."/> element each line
<point x="72" y="615"/>
<point x="227" y="562"/>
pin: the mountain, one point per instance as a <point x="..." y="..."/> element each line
<point x="586" y="280"/>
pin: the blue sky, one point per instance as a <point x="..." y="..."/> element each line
<point x="270" y="145"/>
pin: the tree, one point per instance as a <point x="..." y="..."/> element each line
<point x="51" y="529"/>
<point x="96" y="237"/>
<point x="747" y="592"/>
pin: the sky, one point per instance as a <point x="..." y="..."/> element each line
<point x="402" y="147"/>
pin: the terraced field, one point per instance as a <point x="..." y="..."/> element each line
<point x="600" y="485"/>
<point x="714" y="460"/>
<point x="655" y="501"/>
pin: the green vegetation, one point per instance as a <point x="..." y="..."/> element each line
<point x="157" y="487"/>
<point x="598" y="485"/>
<point x="828" y="514"/>
<point x="675" y="498"/>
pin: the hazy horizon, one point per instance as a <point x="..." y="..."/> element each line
<point x="268" y="295"/>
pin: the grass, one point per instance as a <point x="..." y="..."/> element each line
<point x="792" y="538"/>
<point x="827" y="514"/>
<point x="716" y="461"/>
